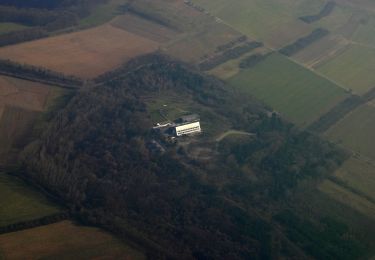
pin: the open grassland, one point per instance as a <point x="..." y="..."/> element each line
<point x="85" y="54"/>
<point x="292" y="90"/>
<point x="273" y="22"/>
<point x="10" y="27"/>
<point x="353" y="68"/>
<point x="20" y="203"/>
<point x="356" y="131"/>
<point x="358" y="174"/>
<point x="64" y="240"/>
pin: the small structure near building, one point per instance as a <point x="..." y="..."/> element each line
<point x="185" y="125"/>
<point x="188" y="128"/>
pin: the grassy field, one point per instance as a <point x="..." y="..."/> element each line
<point x="292" y="90"/>
<point x="353" y="68"/>
<point x="356" y="131"/>
<point x="273" y="22"/>
<point x="365" y="34"/>
<point x="78" y="54"/>
<point x="64" y="240"/>
<point x="19" y="203"/>
<point x="10" y="27"/>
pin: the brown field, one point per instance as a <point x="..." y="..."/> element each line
<point x="20" y="102"/>
<point x="64" y="240"/>
<point x="85" y="54"/>
<point x="24" y="94"/>
<point x="144" y="28"/>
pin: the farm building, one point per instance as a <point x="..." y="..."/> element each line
<point x="188" y="128"/>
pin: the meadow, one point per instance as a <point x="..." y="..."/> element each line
<point x="19" y="202"/>
<point x="64" y="240"/>
<point x="356" y="130"/>
<point x="353" y="68"/>
<point x="295" y="92"/>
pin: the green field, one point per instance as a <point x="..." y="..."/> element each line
<point x="356" y="131"/>
<point x="10" y="27"/>
<point x="354" y="68"/>
<point x="64" y="240"/>
<point x="365" y="34"/>
<point x="359" y="174"/>
<point x="274" y="22"/>
<point x="297" y="93"/>
<point x="20" y="203"/>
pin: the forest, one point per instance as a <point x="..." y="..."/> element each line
<point x="93" y="155"/>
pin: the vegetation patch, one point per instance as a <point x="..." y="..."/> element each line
<point x="326" y="10"/>
<point x="303" y="42"/>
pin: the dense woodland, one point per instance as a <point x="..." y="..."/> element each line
<point x="41" y="17"/>
<point x="93" y="155"/>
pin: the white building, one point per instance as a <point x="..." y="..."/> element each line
<point x="188" y="128"/>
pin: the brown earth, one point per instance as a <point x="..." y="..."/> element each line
<point x="84" y="54"/>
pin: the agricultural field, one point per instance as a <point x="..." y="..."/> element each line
<point x="144" y="28"/>
<point x="20" y="103"/>
<point x="295" y="92"/>
<point x="353" y="68"/>
<point x="64" y="240"/>
<point x="365" y="33"/>
<point x="273" y="22"/>
<point x="78" y="54"/>
<point x="19" y="202"/>
<point x="356" y="131"/>
<point x="344" y="196"/>
<point x="10" y="27"/>
<point x="358" y="174"/>
<point x="321" y="51"/>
